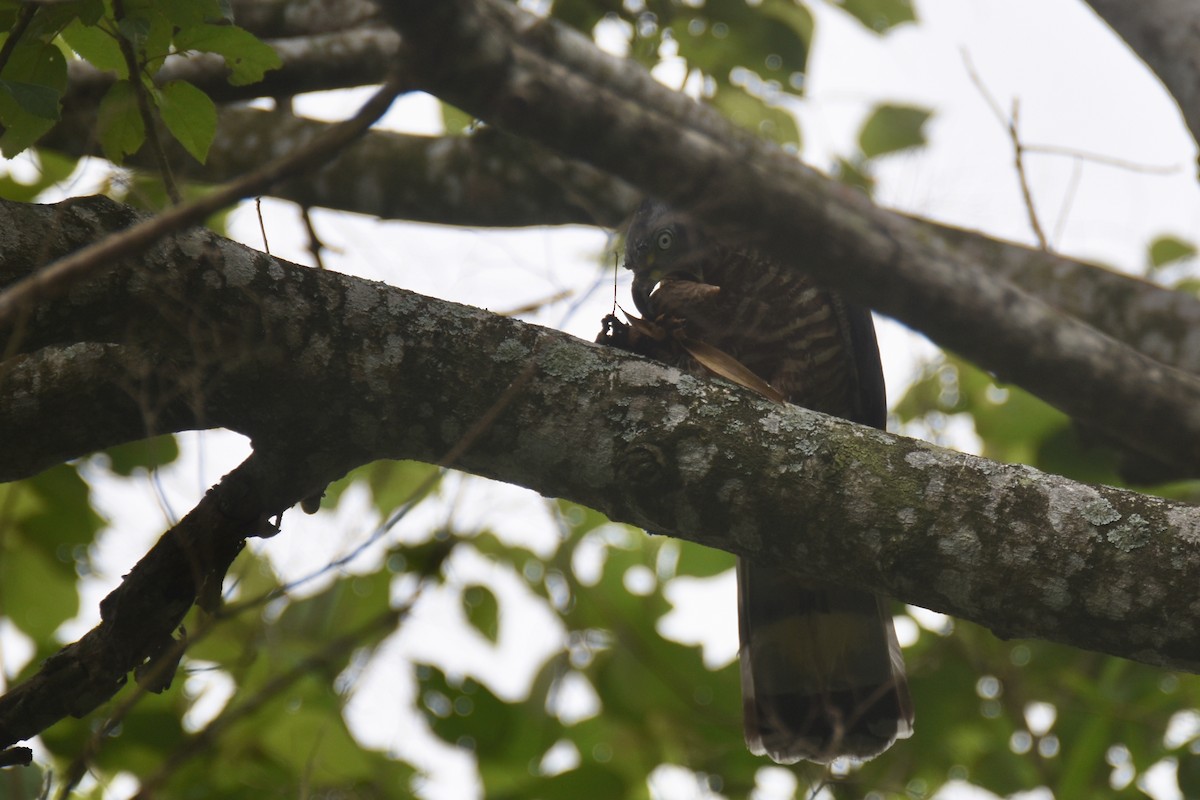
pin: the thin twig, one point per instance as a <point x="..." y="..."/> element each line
<point x="1068" y="198"/>
<point x="106" y="253"/>
<point x="262" y="226"/>
<point x="24" y="17"/>
<point x="997" y="112"/>
<point x="315" y="245"/>
<point x="1010" y="125"/>
<point x="1023" y="177"/>
<point x="1020" y="149"/>
<point x="143" y="103"/>
<point x="1100" y="158"/>
<point x="536" y="305"/>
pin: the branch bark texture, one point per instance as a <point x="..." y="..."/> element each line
<point x="1166" y="35"/>
<point x="490" y="179"/>
<point x="355" y="370"/>
<point x="543" y="81"/>
<point x="139" y="618"/>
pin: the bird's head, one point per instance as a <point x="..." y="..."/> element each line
<point x="661" y="243"/>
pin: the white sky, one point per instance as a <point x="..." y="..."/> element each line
<point x="1079" y="88"/>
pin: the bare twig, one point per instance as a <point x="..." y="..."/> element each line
<point x="534" y="305"/>
<point x="262" y="226"/>
<point x="315" y="245"/>
<point x="1020" y="149"/>
<point x="1026" y="192"/>
<point x="1100" y="158"/>
<point x="24" y="17"/>
<point x="106" y="253"/>
<point x="144" y="110"/>
<point x="1010" y="125"/>
<point x="1068" y="198"/>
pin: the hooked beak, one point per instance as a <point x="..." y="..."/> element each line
<point x="643" y="285"/>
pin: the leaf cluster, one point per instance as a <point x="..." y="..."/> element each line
<point x="133" y="39"/>
<point x="283" y="730"/>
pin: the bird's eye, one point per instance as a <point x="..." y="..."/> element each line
<point x="664" y="239"/>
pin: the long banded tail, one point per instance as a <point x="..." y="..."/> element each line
<point x="822" y="672"/>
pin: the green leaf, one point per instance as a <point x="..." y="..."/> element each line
<point x="392" y="483"/>
<point x="36" y="593"/>
<point x="1189" y="285"/>
<point x="53" y="169"/>
<point x="120" y="124"/>
<point x="310" y="737"/>
<point x="454" y="120"/>
<point x="892" y="128"/>
<point x="155" y="728"/>
<point x="149" y="31"/>
<point x="1189" y="775"/>
<point x="147" y="454"/>
<point x="756" y="114"/>
<point x="855" y="172"/>
<point x="190" y="115"/>
<point x="31" y="87"/>
<point x="136" y="29"/>
<point x="65" y="518"/>
<point x="52" y="18"/>
<point x="879" y="15"/>
<point x="88" y="12"/>
<point x="246" y="55"/>
<point x="1064" y="451"/>
<point x="582" y="15"/>
<point x="1168" y="249"/>
<point x="580" y="519"/>
<point x="702" y="562"/>
<point x="348" y="604"/>
<point x="588" y="780"/>
<point x="34" y="99"/>
<point x="97" y="46"/>
<point x="452" y="721"/>
<point x="185" y="13"/>
<point x="770" y="39"/>
<point x="482" y="610"/>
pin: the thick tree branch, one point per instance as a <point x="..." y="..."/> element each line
<point x="491" y="60"/>
<point x="1157" y="322"/>
<point x="85" y="396"/>
<point x="484" y="179"/>
<point x="492" y="179"/>
<point x="274" y="19"/>
<point x="140" y="616"/>
<point x="350" y="371"/>
<point x="1166" y="35"/>
<point x="356" y="57"/>
<point x="18" y="298"/>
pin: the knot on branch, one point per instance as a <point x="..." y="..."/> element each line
<point x="647" y="476"/>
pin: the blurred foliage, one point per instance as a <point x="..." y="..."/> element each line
<point x="132" y="39"/>
<point x="892" y="128"/>
<point x="887" y="130"/>
<point x="265" y="702"/>
<point x="33" y="79"/>
<point x="1006" y="716"/>
<point x="1169" y="250"/>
